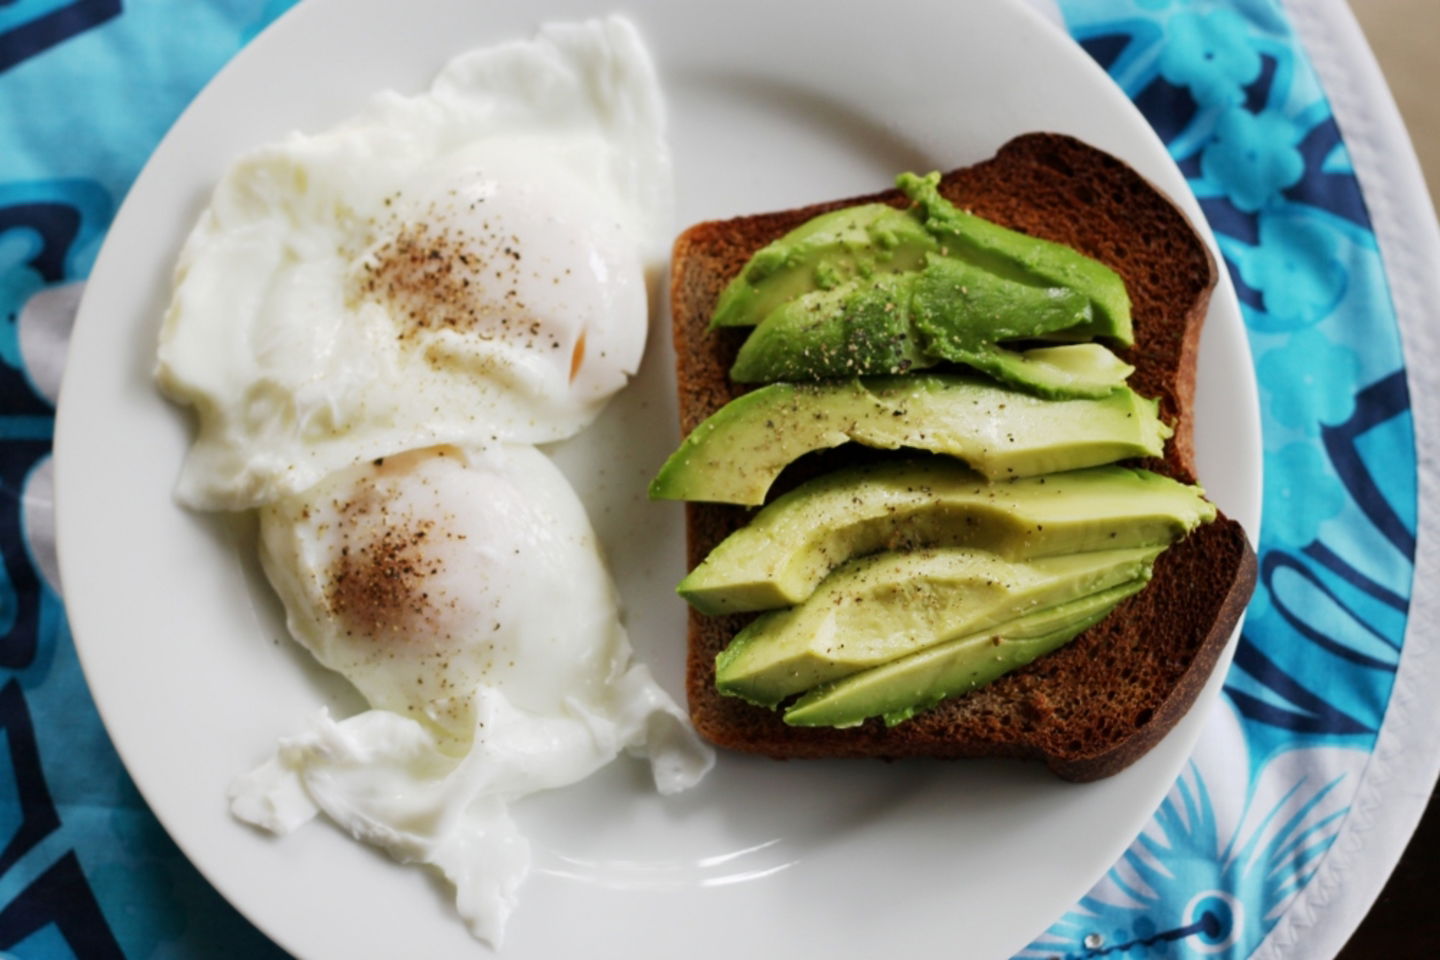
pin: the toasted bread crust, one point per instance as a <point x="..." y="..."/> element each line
<point x="1101" y="702"/>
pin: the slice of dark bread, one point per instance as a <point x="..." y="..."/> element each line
<point x="1099" y="703"/>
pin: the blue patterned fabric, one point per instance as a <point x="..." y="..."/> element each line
<point x="88" y="87"/>
<point x="86" y="91"/>
<point x="1229" y="90"/>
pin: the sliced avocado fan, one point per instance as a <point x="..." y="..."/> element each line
<point x="904" y="687"/>
<point x="1019" y="256"/>
<point x="879" y="608"/>
<point x="869" y="240"/>
<point x="948" y="311"/>
<point x="891" y="586"/>
<point x="736" y="454"/>
<point x="875" y="290"/>
<point x="790" y="546"/>
<point x="874" y="239"/>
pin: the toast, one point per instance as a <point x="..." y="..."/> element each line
<point x="1102" y="701"/>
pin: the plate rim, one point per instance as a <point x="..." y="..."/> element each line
<point x="67" y="541"/>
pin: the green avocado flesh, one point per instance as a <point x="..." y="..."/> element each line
<point x="834" y="248"/>
<point x="1071" y="370"/>
<point x="789" y="547"/>
<point x="1018" y="256"/>
<point x="736" y="454"/>
<point x="852" y="330"/>
<point x="872" y="290"/>
<point x="902" y="688"/>
<point x="890" y="605"/>
<point x="948" y="311"/>
<point x="875" y="238"/>
<point x="1087" y="374"/>
<point x="888" y="587"/>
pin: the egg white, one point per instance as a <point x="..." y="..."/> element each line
<point x="463" y="594"/>
<point x="372" y="324"/>
<point x="466" y="265"/>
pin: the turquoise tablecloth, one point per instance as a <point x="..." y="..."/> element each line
<point x="87" y="87"/>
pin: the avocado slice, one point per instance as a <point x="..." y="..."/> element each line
<point x="782" y="554"/>
<point x="736" y="453"/>
<point x="1092" y="373"/>
<point x="854" y="242"/>
<point x="958" y="317"/>
<point x="958" y="305"/>
<point x="1061" y="372"/>
<point x="889" y="605"/>
<point x="875" y="239"/>
<point x="1018" y="256"/>
<point x="859" y="328"/>
<point x="902" y="688"/>
<point x="894" y="322"/>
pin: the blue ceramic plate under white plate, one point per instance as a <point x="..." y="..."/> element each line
<point x="771" y="105"/>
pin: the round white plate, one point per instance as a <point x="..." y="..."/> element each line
<point x="772" y="105"/>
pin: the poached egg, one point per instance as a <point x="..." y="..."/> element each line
<point x="466" y="265"/>
<point x="464" y="595"/>
<point x="373" y="323"/>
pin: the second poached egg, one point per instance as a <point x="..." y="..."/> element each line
<point x="464" y="595"/>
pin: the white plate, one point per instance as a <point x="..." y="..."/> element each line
<point x="772" y="104"/>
